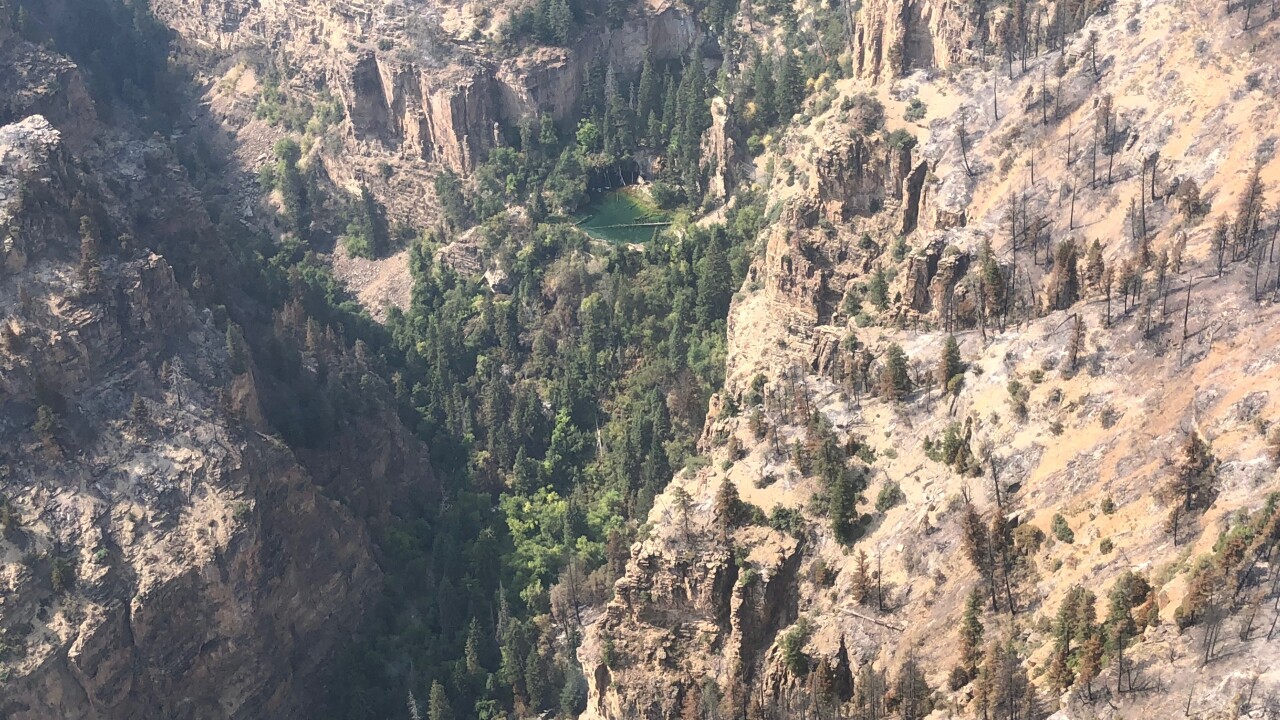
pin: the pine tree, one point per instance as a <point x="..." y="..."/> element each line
<point x="729" y="506"/>
<point x="762" y="90"/>
<point x="977" y="547"/>
<point x="138" y="410"/>
<point x="715" y="280"/>
<point x="1094" y="265"/>
<point x="236" y="351"/>
<point x="649" y="91"/>
<point x="655" y="135"/>
<point x="1194" y="484"/>
<point x="971" y="632"/>
<point x="1248" y="213"/>
<point x="547" y="136"/>
<point x="788" y="87"/>
<point x="1066" y="280"/>
<point x="560" y="22"/>
<point x="683" y="502"/>
<point x="619" y="123"/>
<point x="471" y="652"/>
<point x="292" y="187"/>
<point x="912" y="690"/>
<point x="895" y="381"/>
<point x="536" y="682"/>
<point x="950" y="365"/>
<point x="860" y="586"/>
<point x="438" y="707"/>
<point x="1090" y="664"/>
<point x="992" y="280"/>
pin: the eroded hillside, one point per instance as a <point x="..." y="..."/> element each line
<point x="1081" y="379"/>
<point x="165" y="551"/>
<point x="955" y="324"/>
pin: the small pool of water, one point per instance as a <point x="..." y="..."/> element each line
<point x="621" y="216"/>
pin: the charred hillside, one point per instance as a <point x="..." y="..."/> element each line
<point x="933" y="375"/>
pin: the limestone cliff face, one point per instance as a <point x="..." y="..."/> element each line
<point x="37" y="80"/>
<point x="860" y="176"/>
<point x="1087" y="431"/>
<point x="159" y="566"/>
<point x="162" y="552"/>
<point x="805" y="260"/>
<point x="447" y="115"/>
<point x="411" y="89"/>
<point x="549" y="80"/>
<point x="454" y="114"/>
<point x="685" y="614"/>
<point x="894" y="37"/>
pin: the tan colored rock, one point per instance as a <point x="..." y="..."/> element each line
<point x="893" y="38"/>
<point x="181" y="565"/>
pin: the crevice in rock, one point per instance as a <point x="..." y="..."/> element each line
<point x="915" y="191"/>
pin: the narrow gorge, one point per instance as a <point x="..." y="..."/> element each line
<point x="934" y="375"/>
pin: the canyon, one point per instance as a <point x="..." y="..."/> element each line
<point x="177" y="545"/>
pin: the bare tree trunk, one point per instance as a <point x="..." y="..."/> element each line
<point x="1111" y="161"/>
<point x="1093" y="163"/>
<point x="1186" y="313"/>
<point x="995" y="99"/>
<point x="962" y="135"/>
<point x="1142" y="201"/>
<point x="1044" y="95"/>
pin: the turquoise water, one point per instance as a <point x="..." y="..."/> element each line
<point x="623" y="207"/>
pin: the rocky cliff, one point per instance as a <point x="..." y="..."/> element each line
<point x="1045" y="432"/>
<point x="418" y="88"/>
<point x="164" y="552"/>
<point x="895" y="38"/>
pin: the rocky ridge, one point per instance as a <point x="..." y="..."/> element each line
<point x="164" y="552"/>
<point x="1104" y="434"/>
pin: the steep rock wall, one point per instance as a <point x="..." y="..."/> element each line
<point x="894" y="37"/>
<point x="419" y="93"/>
<point x="683" y="615"/>
<point x="163" y="552"/>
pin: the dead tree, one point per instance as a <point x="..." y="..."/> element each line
<point x="962" y="138"/>
<point x="1186" y="313"/>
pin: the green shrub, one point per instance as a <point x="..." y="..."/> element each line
<point x="1061" y="530"/>
<point x="792" y="644"/>
<point x="787" y="520"/>
<point x="61" y="574"/>
<point x="1018" y="397"/>
<point x="915" y="110"/>
<point x="1027" y="539"/>
<point x="865" y="112"/>
<point x="901" y="140"/>
<point x="890" y="496"/>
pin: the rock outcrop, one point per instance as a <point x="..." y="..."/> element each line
<point x="163" y="552"/>
<point x="1053" y="430"/>
<point x="413" y="90"/>
<point x="39" y="81"/>
<point x="859" y="177"/>
<point x="687" y="615"/>
<point x="894" y="37"/>
<point x="721" y="153"/>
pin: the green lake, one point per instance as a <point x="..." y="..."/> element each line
<point x="617" y="216"/>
